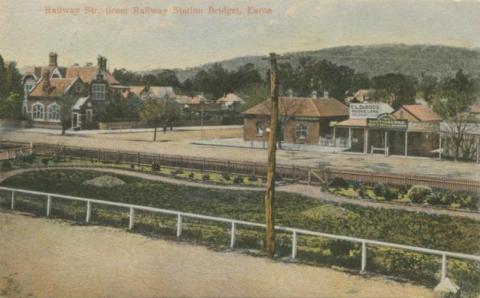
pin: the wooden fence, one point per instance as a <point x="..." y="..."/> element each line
<point x="302" y="174"/>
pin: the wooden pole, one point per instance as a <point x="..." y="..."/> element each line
<point x="272" y="146"/>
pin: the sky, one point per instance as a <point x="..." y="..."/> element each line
<point x="186" y="37"/>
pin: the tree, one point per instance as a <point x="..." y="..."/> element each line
<point x="399" y="87"/>
<point x="66" y="103"/>
<point x="455" y="99"/>
<point x="162" y="113"/>
<point x="10" y="107"/>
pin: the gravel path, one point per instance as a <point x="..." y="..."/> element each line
<point x="180" y="143"/>
<point x="307" y="190"/>
<point x="50" y="258"/>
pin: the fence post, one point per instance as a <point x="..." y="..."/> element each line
<point x="232" y="235"/>
<point x="49" y="204"/>
<point x="309" y="177"/>
<point x="294" y="244"/>
<point x="364" y="257"/>
<point x="179" y="225"/>
<point x="131" y="218"/>
<point x="89" y="211"/>
<point x="12" y="203"/>
<point x="444" y="267"/>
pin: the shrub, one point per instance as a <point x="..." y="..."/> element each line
<point x="6" y="165"/>
<point x="238" y="180"/>
<point x="177" y="172"/>
<point x="27" y="158"/>
<point x="252" y="178"/>
<point x="45" y="160"/>
<point x="391" y="194"/>
<point x="419" y="193"/>
<point x="226" y="176"/>
<point x="206" y="177"/>
<point x="155" y="167"/>
<point x="379" y="189"/>
<point x="191" y="175"/>
<point x="338" y="182"/>
<point x="340" y="247"/>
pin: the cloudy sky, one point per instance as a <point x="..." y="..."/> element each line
<point x="28" y="32"/>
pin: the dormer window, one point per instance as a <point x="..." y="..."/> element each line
<point x="98" y="91"/>
<point x="99" y="76"/>
<point x="78" y="88"/>
<point x="55" y="76"/>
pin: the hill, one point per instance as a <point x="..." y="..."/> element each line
<point x="441" y="61"/>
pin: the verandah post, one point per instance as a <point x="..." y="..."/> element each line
<point x="89" y="211"/>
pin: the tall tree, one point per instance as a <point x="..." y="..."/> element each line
<point x="66" y="103"/>
<point x="453" y="102"/>
<point x="162" y="113"/>
<point x="399" y="87"/>
<point x="10" y="106"/>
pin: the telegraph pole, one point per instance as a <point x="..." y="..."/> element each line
<point x="272" y="146"/>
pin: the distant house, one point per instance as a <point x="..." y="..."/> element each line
<point x="475" y="110"/>
<point x="230" y="101"/>
<point x="92" y="87"/>
<point x="362" y="95"/>
<point x="303" y="119"/>
<point x="196" y="103"/>
<point x="151" y="92"/>
<point x="416" y="113"/>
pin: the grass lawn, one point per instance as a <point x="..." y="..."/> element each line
<point x="419" y="229"/>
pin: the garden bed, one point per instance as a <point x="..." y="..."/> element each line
<point x="410" y="228"/>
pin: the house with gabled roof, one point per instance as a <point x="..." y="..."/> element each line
<point x="302" y="119"/>
<point x="45" y="86"/>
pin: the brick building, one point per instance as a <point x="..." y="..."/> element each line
<point x="303" y="120"/>
<point x="90" y="86"/>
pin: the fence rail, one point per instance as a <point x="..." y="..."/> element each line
<point x="293" y="172"/>
<point x="234" y="224"/>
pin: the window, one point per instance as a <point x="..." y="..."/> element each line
<point x="301" y="131"/>
<point x="98" y="91"/>
<point x="78" y="88"/>
<point x="260" y="128"/>
<point x="53" y="112"/>
<point x="38" y="111"/>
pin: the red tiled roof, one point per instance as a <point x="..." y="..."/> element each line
<point x="88" y="74"/>
<point x="421" y="112"/>
<point x="353" y="123"/>
<point x="57" y="88"/>
<point x="302" y="106"/>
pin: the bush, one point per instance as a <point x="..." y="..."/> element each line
<point x="238" y="180"/>
<point x="340" y="247"/>
<point x="155" y="167"/>
<point x="419" y="193"/>
<point x="27" y="158"/>
<point x="6" y="165"/>
<point x="379" y="189"/>
<point x="177" y="172"/>
<point x="206" y="177"/>
<point x="226" y="176"/>
<point x="391" y="194"/>
<point x="338" y="182"/>
<point x="45" y="160"/>
<point x="252" y="178"/>
<point x="191" y="175"/>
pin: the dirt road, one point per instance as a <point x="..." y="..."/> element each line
<point x="51" y="258"/>
<point x="178" y="142"/>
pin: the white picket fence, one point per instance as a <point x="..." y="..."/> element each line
<point x="234" y="223"/>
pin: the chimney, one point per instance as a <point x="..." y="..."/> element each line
<point x="52" y="59"/>
<point x="46" y="80"/>
<point x="104" y="64"/>
<point x="325" y="94"/>
<point x="314" y="94"/>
